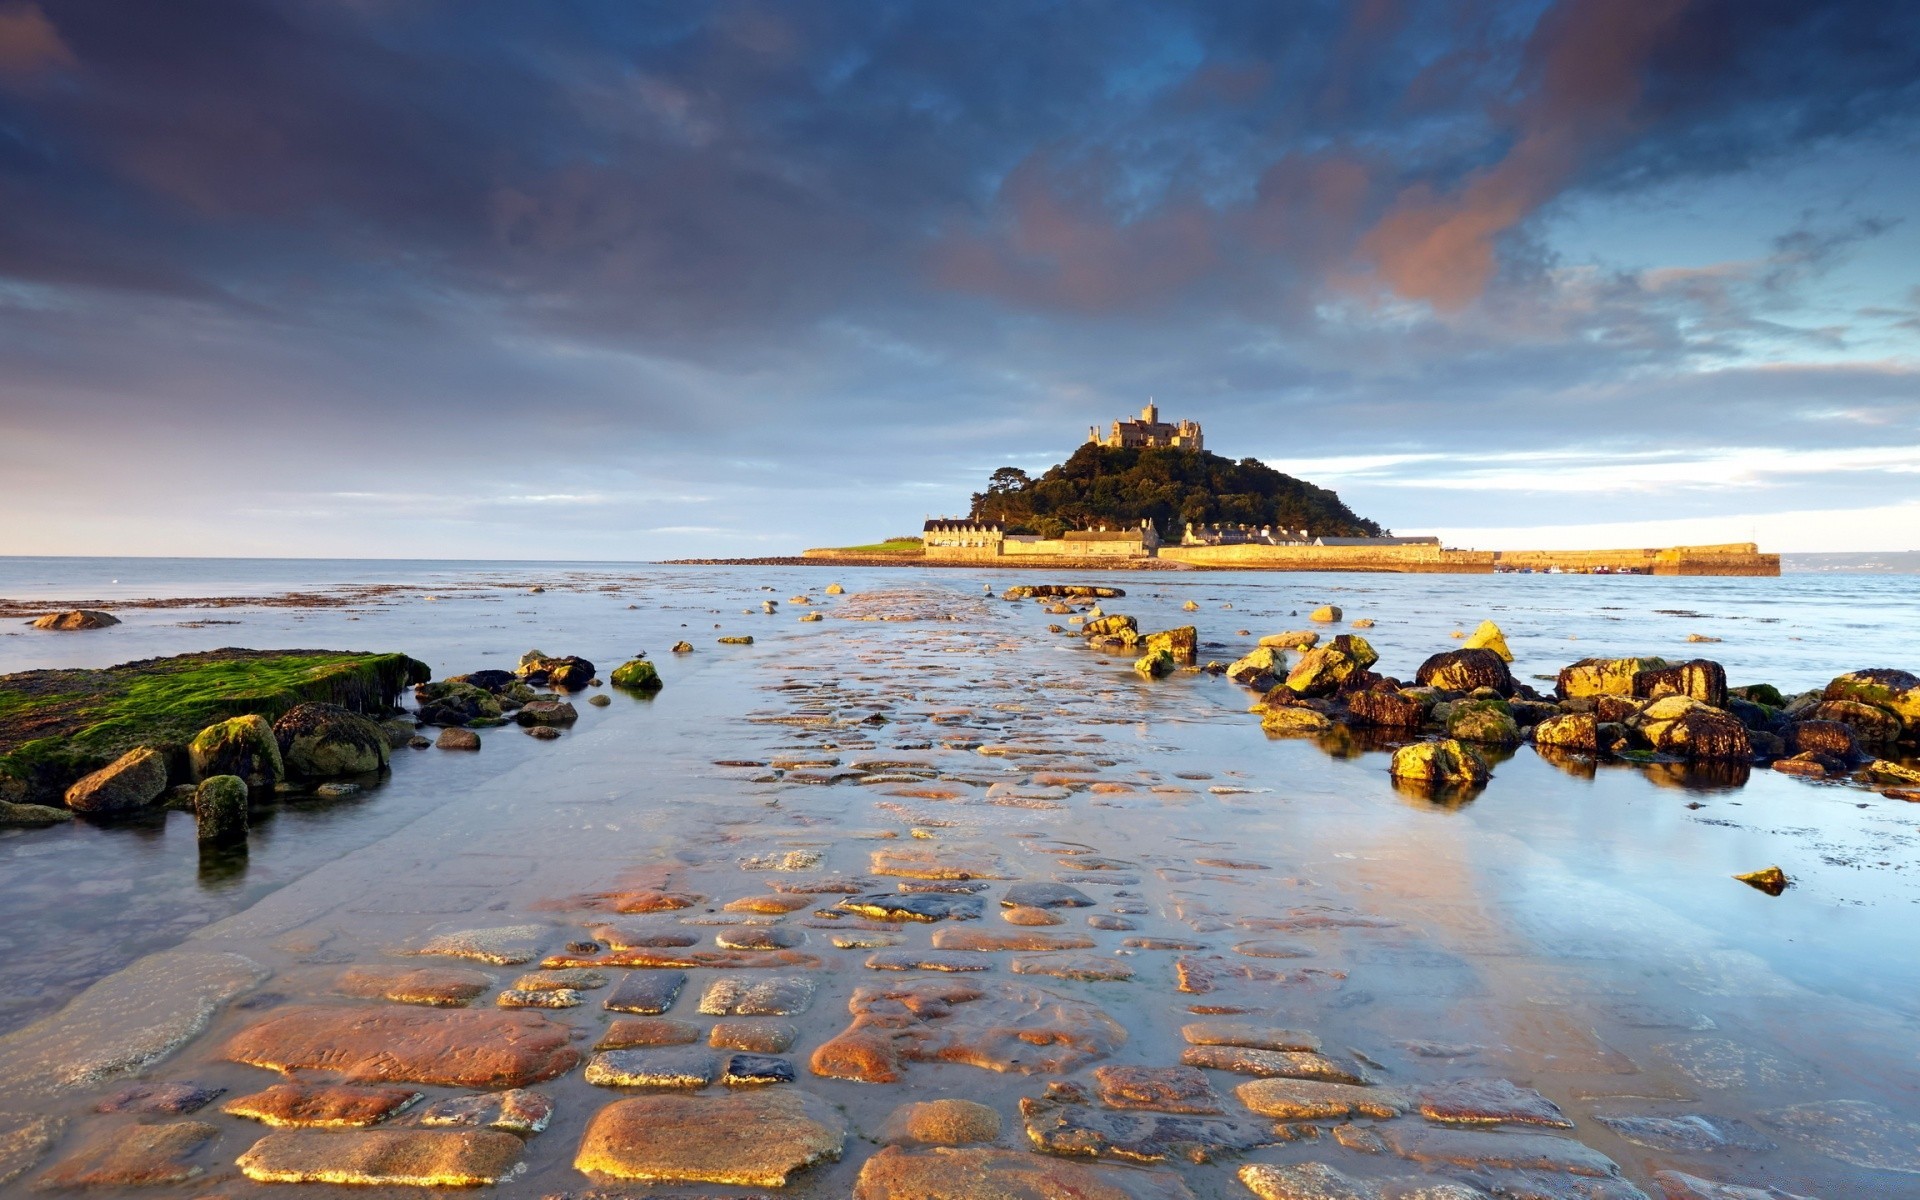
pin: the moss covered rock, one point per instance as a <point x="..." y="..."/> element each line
<point x="1182" y="644"/>
<point x="546" y="714"/>
<point x="322" y="741"/>
<point x="1320" y="672"/>
<point x="1257" y="670"/>
<point x="1760" y="693"/>
<point x="1294" y="718"/>
<point x="1111" y="626"/>
<point x="1446" y="763"/>
<point x="220" y="808"/>
<point x="638" y="674"/>
<point x="1570" y="731"/>
<point x="31" y="815"/>
<point x="1488" y="636"/>
<point x="1155" y="663"/>
<point x="1871" y="724"/>
<point x="1294" y="639"/>
<point x="135" y="780"/>
<point x="1898" y="692"/>
<point x="451" y="703"/>
<point x="1388" y="709"/>
<point x="1829" y="738"/>
<point x="1466" y="671"/>
<point x="243" y="747"/>
<point x="1684" y="726"/>
<point x="1602" y="676"/>
<point x="1701" y="679"/>
<point x="1886" y="771"/>
<point x="1486" y="722"/>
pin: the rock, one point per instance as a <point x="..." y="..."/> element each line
<point x="220" y="808"/>
<point x="1182" y="644"/>
<point x="519" y="1110"/>
<point x="1242" y="1033"/>
<point x="1700" y="679"/>
<point x="544" y="733"/>
<point x="322" y="1105"/>
<point x="1487" y="636"/>
<point x="737" y="640"/>
<point x="501" y="945"/>
<point x="172" y="1099"/>
<point x="944" y="1122"/>
<point x="547" y="713"/>
<point x="682" y="648"/>
<point x="1060" y="1126"/>
<point x="1578" y="732"/>
<point x="458" y="739"/>
<point x="1771" y="880"/>
<point x="1829" y="738"/>
<point x="1257" y="670"/>
<point x="127" y="1156"/>
<point x="1885" y="771"/>
<point x="1159" y="1089"/>
<point x="1294" y="719"/>
<point x="944" y="1173"/>
<point x="1509" y="1151"/>
<point x="1484" y="722"/>
<point x="30" y="816"/>
<point x="319" y="741"/>
<point x="1689" y="1133"/>
<point x="1321" y="672"/>
<point x="1677" y="1185"/>
<point x="538" y="998"/>
<point x="1293" y="639"/>
<point x="435" y="987"/>
<point x="1812" y="765"/>
<point x="77" y="618"/>
<point x="756" y="1070"/>
<point x="979" y="940"/>
<point x="1871" y="725"/>
<point x="1679" y="725"/>
<point x="452" y="703"/>
<point x="441" y="1047"/>
<point x="24" y="1137"/>
<point x="1305" y="1181"/>
<point x="1466" y="671"/>
<point x="568" y="672"/>
<point x="1853" y="1131"/>
<point x="383" y="1157"/>
<point x="135" y="780"/>
<point x="1319" y="1100"/>
<point x="914" y="906"/>
<point x="1045" y="895"/>
<point x="1449" y="763"/>
<point x="670" y="1067"/>
<point x="1489" y="1102"/>
<point x="834" y="589"/>
<point x="1154" y="664"/>
<point x="1325" y="613"/>
<point x="490" y="681"/>
<point x="1087" y="968"/>
<point x="1272" y="1064"/>
<point x="698" y="1139"/>
<point x="1384" y="709"/>
<point x="1116" y="627"/>
<point x="1602" y="676"/>
<point x="780" y="996"/>
<point x="753" y="1036"/>
<point x="1896" y="692"/>
<point x="638" y="674"/>
<point x="243" y="746"/>
<point x="997" y="1025"/>
<point x="629" y="1032"/>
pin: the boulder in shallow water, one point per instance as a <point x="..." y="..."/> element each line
<point x="449" y="702"/>
<point x="220" y="808"/>
<point x="540" y="669"/>
<point x="1183" y="644"/>
<point x="1579" y="732"/>
<point x="243" y="747"/>
<point x="1871" y="725"/>
<point x="27" y="816"/>
<point x="1257" y="670"/>
<point x="1154" y="663"/>
<point x="1679" y="725"/>
<point x="546" y="713"/>
<point x="1443" y="763"/>
<point x="1293" y="718"/>
<point x="1701" y="679"/>
<point x="78" y="618"/>
<point x="1897" y="692"/>
<point x="1466" y="671"/>
<point x="1385" y="709"/>
<point x="1830" y="738"/>
<point x="1293" y="639"/>
<point x="638" y="674"/>
<point x="1320" y="672"/>
<point x="1326" y="614"/>
<point x="321" y="741"/>
<point x="755" y="1139"/>
<point x="1485" y="722"/>
<point x="135" y="780"/>
<point x="1602" y="676"/>
<point x="1118" y="625"/>
<point x="1488" y="636"/>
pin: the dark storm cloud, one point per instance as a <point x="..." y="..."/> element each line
<point x="740" y="239"/>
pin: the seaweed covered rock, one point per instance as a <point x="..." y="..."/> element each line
<point x="1115" y="626"/>
<point x="220" y="808"/>
<point x="491" y="681"/>
<point x="1320" y="672"/>
<point x="450" y="702"/>
<point x="1293" y="718"/>
<point x="1182" y="644"/>
<point x="1602" y="676"/>
<point x="1444" y="763"/>
<point x="1488" y="636"/>
<point x="1683" y="726"/>
<point x="243" y="746"/>
<point x="134" y="781"/>
<point x="1829" y="738"/>
<point x="1030" y="591"/>
<point x="638" y="674"/>
<point x="1760" y="693"/>
<point x="78" y="618"/>
<point x="1388" y="709"/>
<point x="1896" y="692"/>
<point x="1701" y="679"/>
<point x="1578" y="732"/>
<point x="1871" y="724"/>
<point x="1487" y="722"/>
<point x="539" y="669"/>
<point x="14" y="816"/>
<point x="1154" y="663"/>
<point x="1466" y="671"/>
<point x="1256" y="670"/>
<point x="320" y="741"/>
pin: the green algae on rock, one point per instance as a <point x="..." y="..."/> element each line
<point x="638" y="674"/>
<point x="1442" y="763"/>
<point x="57" y="725"/>
<point x="242" y="746"/>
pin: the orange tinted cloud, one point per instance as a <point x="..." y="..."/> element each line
<point x="28" y="41"/>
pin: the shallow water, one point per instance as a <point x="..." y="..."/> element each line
<point x="1576" y="935"/>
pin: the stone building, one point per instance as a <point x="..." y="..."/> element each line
<point x="1150" y="430"/>
<point x="960" y="533"/>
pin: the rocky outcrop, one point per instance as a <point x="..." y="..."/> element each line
<point x="1701" y="680"/>
<point x="1440" y="764"/>
<point x="1387" y="709"/>
<point x="1488" y="636"/>
<point x="1896" y="693"/>
<point x="244" y="747"/>
<point x="453" y="703"/>
<point x="1257" y="670"/>
<point x="29" y="816"/>
<point x="322" y="741"/>
<point x="637" y="674"/>
<point x="1871" y="724"/>
<point x="1029" y="591"/>
<point x="568" y="672"/>
<point x="134" y="781"/>
<point x="1181" y="644"/>
<point x="1602" y="676"/>
<point x="1578" y="732"/>
<point x="1466" y="671"/>
<point x="1829" y="738"/>
<point x="1117" y="627"/>
<point x="78" y="618"/>
<point x="1484" y="722"/>
<point x="1154" y="663"/>
<point x="1686" y="727"/>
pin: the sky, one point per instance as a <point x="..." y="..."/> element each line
<point x="628" y="280"/>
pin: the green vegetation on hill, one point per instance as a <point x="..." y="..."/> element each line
<point x="1102" y="485"/>
<point x="57" y="725"/>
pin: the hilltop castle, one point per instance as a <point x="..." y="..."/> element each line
<point x="1150" y="430"/>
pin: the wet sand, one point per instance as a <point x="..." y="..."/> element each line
<point x="1577" y="937"/>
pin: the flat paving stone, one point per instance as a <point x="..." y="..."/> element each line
<point x="1160" y="1089"/>
<point x="383" y="1157"/>
<point x="647" y="992"/>
<point x="986" y="941"/>
<point x="573" y="979"/>
<point x="772" y="903"/>
<point x="620" y="937"/>
<point x="759" y="937"/>
<point x="777" y="997"/>
<point x="1045" y="895"/>
<point x="1514" y="1151"/>
<point x="976" y="1173"/>
<point x="914" y="906"/>
<point x="752" y="1139"/>
<point x="444" y="1047"/>
<point x="1687" y="1133"/>
<point x="1678" y="1185"/>
<point x="926" y="960"/>
<point x="440" y="987"/>
<point x="1489" y="1102"/>
<point x="629" y="1032"/>
<point x="321" y="1105"/>
<point x="1318" y="1100"/>
<point x="1247" y="1034"/>
<point x="1089" y="968"/>
<point x="518" y="1110"/>
<point x="1064" y="1127"/>
<point x="124" y="1156"/>
<point x="945" y="1122"/>
<point x="1288" y="1064"/>
<point x="541" y="998"/>
<point x="755" y="1070"/>
<point x="670" y="1067"/>
<point x="938" y="862"/>
<point x="503" y="945"/>
<point x="163" y="1099"/>
<point x="999" y="1025"/>
<point x="753" y="1036"/>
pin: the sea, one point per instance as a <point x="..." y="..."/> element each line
<point x="1573" y="928"/>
